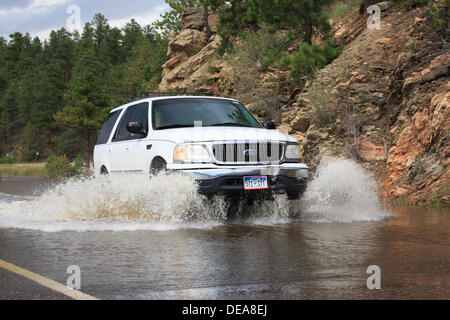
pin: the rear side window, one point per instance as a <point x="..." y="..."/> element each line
<point x="107" y="127"/>
<point x="138" y="112"/>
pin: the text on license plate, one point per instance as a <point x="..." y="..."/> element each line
<point x="255" y="183"/>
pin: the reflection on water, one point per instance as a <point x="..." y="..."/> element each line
<point x="285" y="261"/>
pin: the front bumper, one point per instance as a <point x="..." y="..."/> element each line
<point x="288" y="178"/>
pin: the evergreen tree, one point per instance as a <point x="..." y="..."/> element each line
<point x="86" y="102"/>
<point x="298" y="15"/>
<point x="66" y="85"/>
<point x="235" y="16"/>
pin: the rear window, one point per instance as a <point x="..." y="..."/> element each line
<point x="107" y="127"/>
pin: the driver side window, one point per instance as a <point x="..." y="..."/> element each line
<point x="137" y="112"/>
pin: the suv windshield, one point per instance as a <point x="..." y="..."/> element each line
<point x="179" y="113"/>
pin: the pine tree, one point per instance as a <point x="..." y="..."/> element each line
<point x="299" y="15"/>
<point x="86" y="101"/>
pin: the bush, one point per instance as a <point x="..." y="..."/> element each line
<point x="59" y="168"/>
<point x="7" y="160"/>
<point x="323" y="113"/>
<point x="310" y="58"/>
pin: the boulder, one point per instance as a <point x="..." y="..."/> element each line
<point x="187" y="41"/>
<point x="301" y="122"/>
<point x="193" y="18"/>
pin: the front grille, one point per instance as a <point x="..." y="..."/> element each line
<point x="248" y="152"/>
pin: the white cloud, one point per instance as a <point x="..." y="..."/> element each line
<point x="39" y="17"/>
<point x="143" y="20"/>
<point x="42" y="34"/>
<point x="34" y="8"/>
<point x="47" y="3"/>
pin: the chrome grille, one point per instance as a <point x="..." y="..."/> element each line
<point x="248" y="152"/>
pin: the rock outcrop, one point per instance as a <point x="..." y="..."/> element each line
<point x="189" y="51"/>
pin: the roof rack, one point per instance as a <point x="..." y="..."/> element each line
<point x="163" y="94"/>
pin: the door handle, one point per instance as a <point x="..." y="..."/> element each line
<point x="127" y="149"/>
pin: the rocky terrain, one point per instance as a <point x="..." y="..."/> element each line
<point x="384" y="101"/>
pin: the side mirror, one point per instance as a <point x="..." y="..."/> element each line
<point x="269" y="125"/>
<point x="136" y="128"/>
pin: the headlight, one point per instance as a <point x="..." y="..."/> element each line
<point x="191" y="153"/>
<point x="292" y="152"/>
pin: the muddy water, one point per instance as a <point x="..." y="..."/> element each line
<point x="138" y="240"/>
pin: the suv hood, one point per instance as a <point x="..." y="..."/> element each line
<point x="207" y="134"/>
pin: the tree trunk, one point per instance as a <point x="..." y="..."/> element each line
<point x="364" y="5"/>
<point x="308" y="34"/>
<point x="205" y="20"/>
<point x="87" y="150"/>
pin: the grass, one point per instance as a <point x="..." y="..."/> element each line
<point x="14" y="170"/>
<point x="323" y="113"/>
<point x="402" y="201"/>
<point x="431" y="199"/>
<point x="340" y="9"/>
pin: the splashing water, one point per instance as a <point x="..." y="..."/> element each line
<point x="341" y="192"/>
<point x="122" y="202"/>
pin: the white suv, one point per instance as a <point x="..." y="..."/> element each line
<point x="217" y="140"/>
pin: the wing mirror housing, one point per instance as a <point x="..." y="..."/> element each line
<point x="136" y="128"/>
<point x="269" y="125"/>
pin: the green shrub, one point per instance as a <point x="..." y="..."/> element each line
<point x="323" y="113"/>
<point x="7" y="160"/>
<point x="59" y="168"/>
<point x="340" y="8"/>
<point x="310" y="58"/>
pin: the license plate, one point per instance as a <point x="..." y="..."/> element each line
<point x="255" y="183"/>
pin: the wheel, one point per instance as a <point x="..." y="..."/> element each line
<point x="104" y="171"/>
<point x="158" y="165"/>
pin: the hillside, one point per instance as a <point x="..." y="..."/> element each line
<point x="383" y="101"/>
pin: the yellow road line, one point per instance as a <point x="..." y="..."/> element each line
<point x="51" y="284"/>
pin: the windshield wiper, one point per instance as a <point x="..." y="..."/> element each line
<point x="173" y="126"/>
<point x="230" y="124"/>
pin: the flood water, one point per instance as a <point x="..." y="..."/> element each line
<point x="163" y="241"/>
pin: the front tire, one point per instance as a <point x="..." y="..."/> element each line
<point x="104" y="171"/>
<point x="158" y="165"/>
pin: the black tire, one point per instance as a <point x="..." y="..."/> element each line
<point x="158" y="165"/>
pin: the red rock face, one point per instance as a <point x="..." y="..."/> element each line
<point x="423" y="136"/>
<point x="368" y="151"/>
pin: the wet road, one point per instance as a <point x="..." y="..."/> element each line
<point x="295" y="260"/>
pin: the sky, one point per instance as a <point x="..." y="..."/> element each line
<point x="39" y="17"/>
